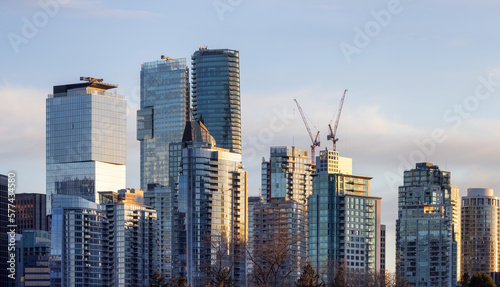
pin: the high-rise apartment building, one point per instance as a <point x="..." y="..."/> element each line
<point x="343" y="220"/>
<point x="279" y="226"/>
<point x="79" y="254"/>
<point x="253" y="202"/>
<point x="162" y="117"/>
<point x="86" y="140"/>
<point x="428" y="228"/>
<point x="212" y="203"/>
<point x="132" y="237"/>
<point x="31" y="212"/>
<point x="480" y="231"/>
<point x="216" y="95"/>
<point x="164" y="201"/>
<point x="108" y="244"/>
<point x="288" y="173"/>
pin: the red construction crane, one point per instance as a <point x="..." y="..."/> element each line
<point x="333" y="132"/>
<point x="315" y="141"/>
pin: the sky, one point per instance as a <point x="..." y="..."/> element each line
<point x="423" y="78"/>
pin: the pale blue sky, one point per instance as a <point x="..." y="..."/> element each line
<point x="403" y="84"/>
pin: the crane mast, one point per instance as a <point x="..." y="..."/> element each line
<point x="315" y="140"/>
<point x="333" y="132"/>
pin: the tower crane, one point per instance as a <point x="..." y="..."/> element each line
<point x="333" y="133"/>
<point x="315" y="141"/>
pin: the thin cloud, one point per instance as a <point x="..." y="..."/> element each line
<point x="98" y="9"/>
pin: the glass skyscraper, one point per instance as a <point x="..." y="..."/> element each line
<point x="480" y="231"/>
<point x="216" y="95"/>
<point x="343" y="220"/>
<point x="428" y="228"/>
<point x="162" y="117"/>
<point x="86" y="140"/>
<point x="213" y="204"/>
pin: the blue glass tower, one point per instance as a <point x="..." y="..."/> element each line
<point x="216" y="95"/>
<point x="86" y="138"/>
<point x="162" y="117"/>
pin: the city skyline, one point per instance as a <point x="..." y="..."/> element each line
<point x="388" y="116"/>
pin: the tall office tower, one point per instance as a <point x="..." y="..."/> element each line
<point x="79" y="254"/>
<point x="31" y="212"/>
<point x="216" y="95"/>
<point x="428" y="228"/>
<point x="86" y="140"/>
<point x="213" y="203"/>
<point x="162" y="117"/>
<point x="35" y="252"/>
<point x="343" y="220"/>
<point x="280" y="225"/>
<point x="4" y="221"/>
<point x="132" y="243"/>
<point x="480" y="231"/>
<point x="253" y="201"/>
<point x="288" y="173"/>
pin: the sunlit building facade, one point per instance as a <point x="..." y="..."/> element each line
<point x="287" y="173"/>
<point x="428" y="228"/>
<point x="213" y="204"/>
<point x="85" y="140"/>
<point x="216" y="95"/>
<point x="132" y="237"/>
<point x="31" y="212"/>
<point x="480" y="231"/>
<point x="162" y="116"/>
<point x="343" y="220"/>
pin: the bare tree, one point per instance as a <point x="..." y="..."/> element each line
<point x="223" y="254"/>
<point x="271" y="260"/>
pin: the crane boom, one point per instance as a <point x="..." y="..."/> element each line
<point x="315" y="141"/>
<point x="333" y="133"/>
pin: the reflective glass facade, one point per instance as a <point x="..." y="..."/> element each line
<point x="85" y="140"/>
<point x="213" y="202"/>
<point x="288" y="173"/>
<point x="162" y="117"/>
<point x="428" y="228"/>
<point x="480" y="231"/>
<point x="216" y="95"/>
